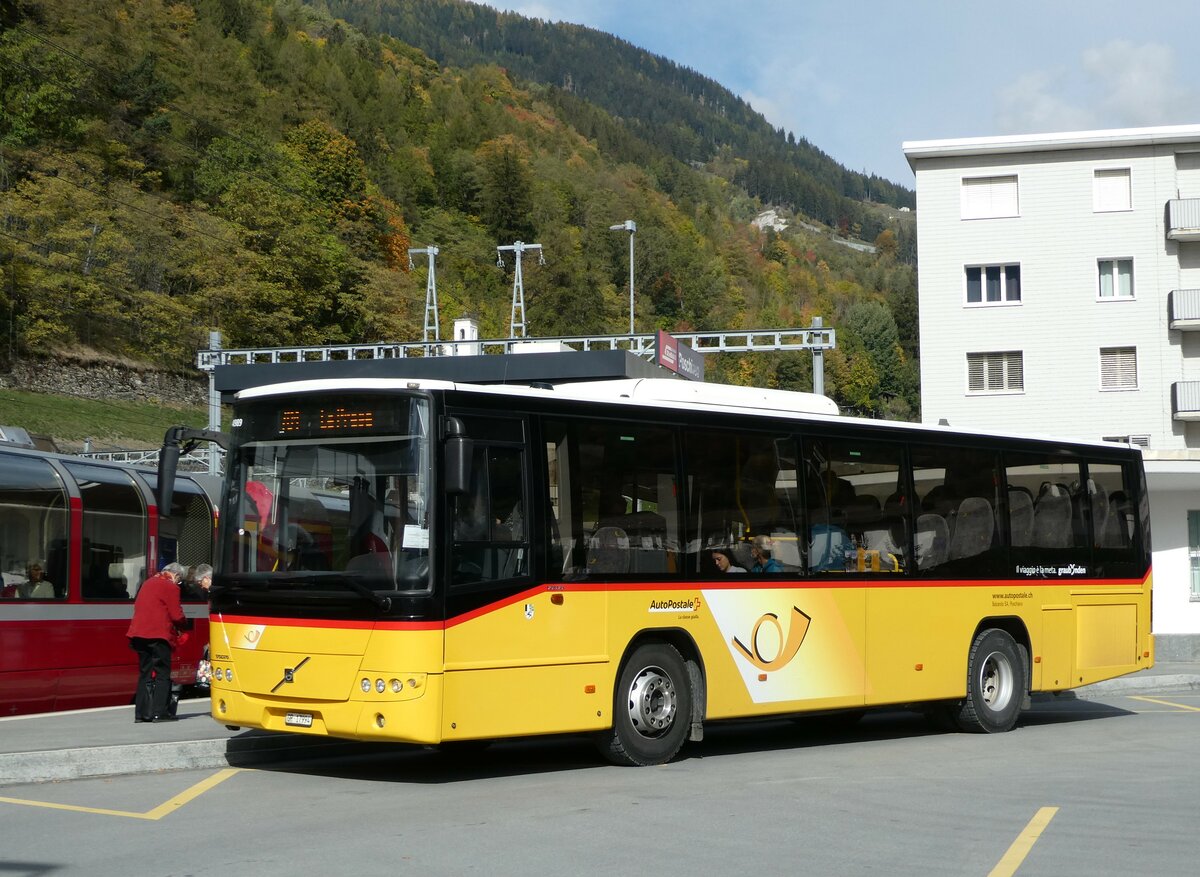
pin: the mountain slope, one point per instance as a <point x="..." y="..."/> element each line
<point x="263" y="168"/>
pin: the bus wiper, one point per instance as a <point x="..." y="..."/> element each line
<point x="384" y="603"/>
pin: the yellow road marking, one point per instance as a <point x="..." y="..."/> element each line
<point x="168" y="806"/>
<point x="1181" y="706"/>
<point x="1011" y="861"/>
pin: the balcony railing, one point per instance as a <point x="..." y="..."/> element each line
<point x="1183" y="219"/>
<point x="1183" y="309"/>
<point x="1185" y="400"/>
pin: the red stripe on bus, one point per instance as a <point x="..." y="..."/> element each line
<point x="739" y="583"/>
<point x="336" y="624"/>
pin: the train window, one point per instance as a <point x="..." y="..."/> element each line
<point x="33" y="521"/>
<point x="187" y="535"/>
<point x="114" y="532"/>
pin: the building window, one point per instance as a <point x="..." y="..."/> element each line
<point x="1194" y="553"/>
<point x="1118" y="368"/>
<point x="996" y="372"/>
<point x="989" y="197"/>
<point x="1133" y="441"/>
<point x="1111" y="190"/>
<point x="1116" y="278"/>
<point x="993" y="284"/>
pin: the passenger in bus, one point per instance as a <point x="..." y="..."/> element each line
<point x="724" y="561"/>
<point x="158" y="626"/>
<point x="37" y="587"/>
<point x="761" y="549"/>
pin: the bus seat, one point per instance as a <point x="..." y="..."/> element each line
<point x="1117" y="533"/>
<point x="974" y="525"/>
<point x="608" y="551"/>
<point x="1098" y="502"/>
<point x="1020" y="515"/>
<point x="787" y="549"/>
<point x="1052" y="518"/>
<point x="932" y="541"/>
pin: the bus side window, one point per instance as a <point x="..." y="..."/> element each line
<point x="858" y="516"/>
<point x="613" y="500"/>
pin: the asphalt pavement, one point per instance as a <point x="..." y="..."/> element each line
<point x="107" y="742"/>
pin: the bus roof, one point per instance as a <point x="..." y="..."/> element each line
<point x="655" y="393"/>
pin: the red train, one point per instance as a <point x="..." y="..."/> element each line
<point x="77" y="538"/>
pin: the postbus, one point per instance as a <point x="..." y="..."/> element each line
<point x="427" y="562"/>
<point x="77" y="538"/>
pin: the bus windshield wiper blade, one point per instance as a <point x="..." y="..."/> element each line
<point x="383" y="602"/>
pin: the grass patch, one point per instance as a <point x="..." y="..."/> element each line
<point x="110" y="424"/>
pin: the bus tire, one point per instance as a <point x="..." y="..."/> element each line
<point x="652" y="708"/>
<point x="996" y="684"/>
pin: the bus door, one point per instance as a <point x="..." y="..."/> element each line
<point x="516" y="651"/>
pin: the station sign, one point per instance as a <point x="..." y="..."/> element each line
<point x="678" y="357"/>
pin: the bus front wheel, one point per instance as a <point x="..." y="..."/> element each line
<point x="996" y="684"/>
<point x="652" y="708"/>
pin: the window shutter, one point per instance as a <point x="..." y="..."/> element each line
<point x="1111" y="190"/>
<point x="975" y="369"/>
<point x="995" y="372"/>
<point x="989" y="197"/>
<point x="1118" y="368"/>
<point x="1016" y="370"/>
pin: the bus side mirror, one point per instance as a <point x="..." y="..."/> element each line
<point x="459" y="451"/>
<point x="168" y="463"/>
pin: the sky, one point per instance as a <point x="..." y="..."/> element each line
<point x="857" y="79"/>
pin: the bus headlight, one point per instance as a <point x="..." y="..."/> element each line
<point x="379" y="686"/>
<point x="366" y="685"/>
<point x="397" y="686"/>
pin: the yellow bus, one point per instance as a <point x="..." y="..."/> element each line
<point x="426" y="562"/>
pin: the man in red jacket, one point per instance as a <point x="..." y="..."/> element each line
<point x="157" y="627"/>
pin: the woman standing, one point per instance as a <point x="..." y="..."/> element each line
<point x="158" y="626"/>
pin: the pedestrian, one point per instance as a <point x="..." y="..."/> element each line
<point x="158" y="626"/>
<point x="202" y="579"/>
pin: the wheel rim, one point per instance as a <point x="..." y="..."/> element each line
<point x="652" y="702"/>
<point x="996" y="681"/>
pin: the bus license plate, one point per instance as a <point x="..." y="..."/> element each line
<point x="303" y="720"/>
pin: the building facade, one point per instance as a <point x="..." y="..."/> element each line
<point x="1059" y="294"/>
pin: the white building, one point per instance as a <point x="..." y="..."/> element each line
<point x="1059" y="294"/>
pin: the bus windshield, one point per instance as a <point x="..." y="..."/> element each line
<point x="325" y="491"/>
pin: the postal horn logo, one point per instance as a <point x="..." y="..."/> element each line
<point x="789" y="643"/>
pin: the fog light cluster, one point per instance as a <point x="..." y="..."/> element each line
<point x="382" y="686"/>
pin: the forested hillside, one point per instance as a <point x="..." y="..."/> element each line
<point x="262" y="169"/>
<point x="672" y="108"/>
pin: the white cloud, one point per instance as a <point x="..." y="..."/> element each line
<point x="1137" y="84"/>
<point x="1118" y="84"/>
<point x="1031" y="105"/>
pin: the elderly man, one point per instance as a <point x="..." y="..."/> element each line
<point x="158" y="626"/>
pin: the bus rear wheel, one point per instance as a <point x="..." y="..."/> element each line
<point x="996" y="684"/>
<point x="652" y="708"/>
